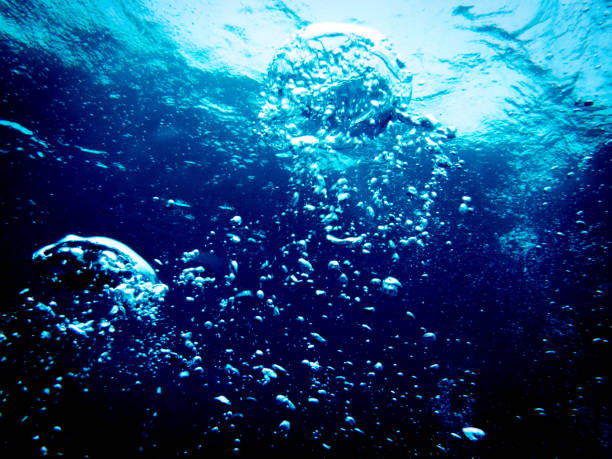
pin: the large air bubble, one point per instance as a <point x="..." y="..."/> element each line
<point x="104" y="264"/>
<point x="334" y="85"/>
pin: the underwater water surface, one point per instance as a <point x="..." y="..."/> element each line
<point x="314" y="228"/>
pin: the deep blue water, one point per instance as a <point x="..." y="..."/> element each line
<point x="111" y="111"/>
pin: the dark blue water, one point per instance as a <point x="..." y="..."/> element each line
<point x="108" y="118"/>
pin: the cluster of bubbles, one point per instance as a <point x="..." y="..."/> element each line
<point x="336" y="109"/>
<point x="107" y="264"/>
<point x="335" y="85"/>
<point x="364" y="177"/>
<point x="519" y="242"/>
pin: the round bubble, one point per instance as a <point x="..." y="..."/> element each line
<point x="338" y="83"/>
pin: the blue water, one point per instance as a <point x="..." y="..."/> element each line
<point x="400" y="212"/>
